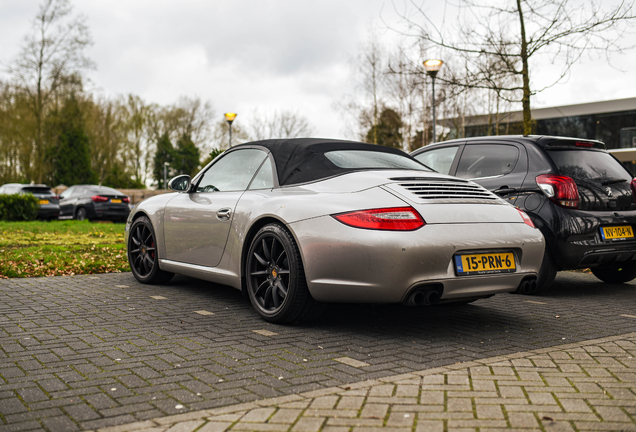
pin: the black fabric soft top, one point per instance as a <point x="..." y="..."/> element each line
<point x="303" y="160"/>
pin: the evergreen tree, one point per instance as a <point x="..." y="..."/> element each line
<point x="165" y="153"/>
<point x="186" y="156"/>
<point x="71" y="155"/>
<point x="387" y="131"/>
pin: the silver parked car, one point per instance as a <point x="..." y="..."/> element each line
<point x="296" y="223"/>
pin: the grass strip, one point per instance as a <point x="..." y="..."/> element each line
<point x="55" y="248"/>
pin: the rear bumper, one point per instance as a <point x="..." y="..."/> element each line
<point x="344" y="264"/>
<point x="114" y="214"/>
<point x="48" y="211"/>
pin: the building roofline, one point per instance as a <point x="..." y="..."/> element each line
<point x="601" y="107"/>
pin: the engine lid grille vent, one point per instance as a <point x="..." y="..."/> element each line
<point x="436" y="189"/>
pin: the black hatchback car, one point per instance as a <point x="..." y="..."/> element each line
<point x="579" y="196"/>
<point x="49" y="205"/>
<point x="94" y="202"/>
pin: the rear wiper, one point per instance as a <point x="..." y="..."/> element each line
<point x="613" y="181"/>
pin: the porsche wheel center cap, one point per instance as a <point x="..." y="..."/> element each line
<point x="274" y="273"/>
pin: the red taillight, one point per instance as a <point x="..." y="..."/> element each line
<point x="126" y="199"/>
<point x="632" y="185"/>
<point x="393" y="219"/>
<point x="526" y="218"/>
<point x="99" y="198"/>
<point x="560" y="189"/>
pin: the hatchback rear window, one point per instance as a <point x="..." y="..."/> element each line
<point x="102" y="190"/>
<point x="362" y="159"/>
<point x="38" y="190"/>
<point x="597" y="166"/>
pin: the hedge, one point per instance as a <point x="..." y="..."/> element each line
<point x="18" y="207"/>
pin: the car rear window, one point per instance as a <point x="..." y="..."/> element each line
<point x="38" y="190"/>
<point x="102" y="190"/>
<point x="589" y="165"/>
<point x="362" y="159"/>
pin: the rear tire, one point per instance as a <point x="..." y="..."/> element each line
<point x="81" y="214"/>
<point x="142" y="253"/>
<point x="617" y="272"/>
<point x="275" y="278"/>
<point x="547" y="273"/>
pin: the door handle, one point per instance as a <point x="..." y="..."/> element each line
<point x="504" y="190"/>
<point x="224" y="214"/>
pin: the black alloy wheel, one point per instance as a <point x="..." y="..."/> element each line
<point x="81" y="214"/>
<point x="142" y="253"/>
<point x="275" y="277"/>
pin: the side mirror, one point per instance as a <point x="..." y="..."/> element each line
<point x="180" y="183"/>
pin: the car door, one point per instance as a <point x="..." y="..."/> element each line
<point x="67" y="199"/>
<point x="197" y="223"/>
<point x="441" y="159"/>
<point x="498" y="166"/>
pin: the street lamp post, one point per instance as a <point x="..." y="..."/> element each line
<point x="433" y="66"/>
<point x="165" y="175"/>
<point x="229" y="117"/>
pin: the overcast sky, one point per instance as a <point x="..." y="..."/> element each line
<point x="260" y="54"/>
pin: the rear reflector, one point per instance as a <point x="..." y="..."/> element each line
<point x="561" y="190"/>
<point x="526" y="218"/>
<point x="392" y="219"/>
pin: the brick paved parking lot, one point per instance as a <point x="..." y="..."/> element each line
<point x="87" y="352"/>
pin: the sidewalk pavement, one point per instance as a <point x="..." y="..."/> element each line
<point x="585" y="386"/>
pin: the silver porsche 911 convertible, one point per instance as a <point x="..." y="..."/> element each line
<point x="297" y="223"/>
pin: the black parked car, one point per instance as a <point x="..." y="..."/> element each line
<point x="579" y="196"/>
<point x="94" y="202"/>
<point x="49" y="207"/>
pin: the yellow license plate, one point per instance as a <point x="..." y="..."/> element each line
<point x="617" y="232"/>
<point x="44" y="201"/>
<point x="116" y="201"/>
<point x="488" y="263"/>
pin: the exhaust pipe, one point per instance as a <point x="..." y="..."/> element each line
<point x="527" y="286"/>
<point x="423" y="298"/>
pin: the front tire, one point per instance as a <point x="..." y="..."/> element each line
<point x="275" y="277"/>
<point x="616" y="273"/>
<point x="142" y="253"/>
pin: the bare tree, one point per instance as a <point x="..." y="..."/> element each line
<point x="52" y="53"/>
<point x="500" y="40"/>
<point x="278" y="124"/>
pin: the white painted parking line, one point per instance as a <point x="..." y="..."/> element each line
<point x="628" y="316"/>
<point x="265" y="332"/>
<point x="122" y="286"/>
<point x="204" y="312"/>
<point x="159" y="297"/>
<point x="351" y="362"/>
<point x="533" y="302"/>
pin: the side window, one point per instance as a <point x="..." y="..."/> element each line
<point x="232" y="172"/>
<point x="439" y="159"/>
<point x="487" y="160"/>
<point x="264" y="178"/>
<point x="67" y="193"/>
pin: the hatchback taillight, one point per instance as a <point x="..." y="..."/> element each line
<point x="561" y="190"/>
<point x="126" y="199"/>
<point x="392" y="219"/>
<point x="99" y="198"/>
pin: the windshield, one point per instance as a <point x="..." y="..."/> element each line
<point x="363" y="159"/>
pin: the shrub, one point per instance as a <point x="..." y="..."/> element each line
<point x="17" y="207"/>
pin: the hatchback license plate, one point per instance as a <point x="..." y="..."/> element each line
<point x="44" y="201"/>
<point x="488" y="263"/>
<point x="116" y="201"/>
<point x="617" y="233"/>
